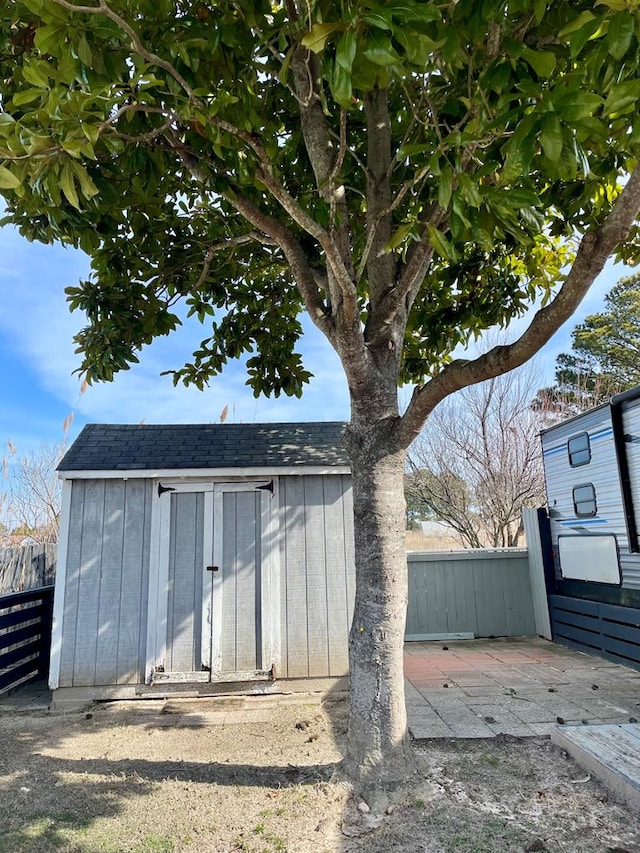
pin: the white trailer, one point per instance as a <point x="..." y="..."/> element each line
<point x="592" y="473"/>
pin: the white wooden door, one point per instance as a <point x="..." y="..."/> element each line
<point x="234" y="601"/>
<point x="217" y="599"/>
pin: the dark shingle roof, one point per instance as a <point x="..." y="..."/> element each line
<point x="119" y="447"/>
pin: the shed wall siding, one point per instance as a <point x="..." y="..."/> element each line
<point x="317" y="574"/>
<point x="105" y="606"/>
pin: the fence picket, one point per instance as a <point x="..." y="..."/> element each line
<point x="27" y="567"/>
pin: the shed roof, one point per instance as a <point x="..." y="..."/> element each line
<point x="126" y="447"/>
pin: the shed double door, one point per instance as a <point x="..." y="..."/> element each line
<point x="215" y="586"/>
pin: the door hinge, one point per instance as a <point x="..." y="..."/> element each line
<point x="162" y="489"/>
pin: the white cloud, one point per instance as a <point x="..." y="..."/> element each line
<point x="39" y="328"/>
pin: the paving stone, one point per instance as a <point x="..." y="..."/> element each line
<point x="425" y="730"/>
<point x="509" y="680"/>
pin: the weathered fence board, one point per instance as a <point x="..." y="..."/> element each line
<point x="27" y="567"/>
<point x="25" y="636"/>
<point x="485" y="593"/>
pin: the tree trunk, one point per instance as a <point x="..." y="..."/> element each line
<point x="378" y="749"/>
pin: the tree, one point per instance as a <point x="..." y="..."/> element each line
<point x="32" y="498"/>
<point x="477" y="463"/>
<point x="409" y="173"/>
<point x="612" y="337"/>
<point x="605" y="355"/>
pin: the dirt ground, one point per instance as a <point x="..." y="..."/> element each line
<point x="152" y="778"/>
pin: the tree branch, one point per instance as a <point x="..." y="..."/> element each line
<point x="595" y="248"/>
<point x="103" y="9"/>
<point x="381" y="265"/>
<point x="301" y="269"/>
<point x="326" y="163"/>
<point x="221" y="245"/>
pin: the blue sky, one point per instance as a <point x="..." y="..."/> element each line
<point x="37" y="360"/>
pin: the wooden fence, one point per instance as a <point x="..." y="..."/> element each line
<point x="25" y="636"/>
<point x="27" y="567"/>
<point x="475" y="593"/>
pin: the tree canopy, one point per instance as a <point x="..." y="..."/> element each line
<point x="223" y="153"/>
<point x="605" y="354"/>
<point x="612" y="337"/>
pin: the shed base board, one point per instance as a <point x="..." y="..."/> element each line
<point x="424" y="638"/>
<point x="67" y="699"/>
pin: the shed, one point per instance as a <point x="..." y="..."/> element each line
<point x="195" y="556"/>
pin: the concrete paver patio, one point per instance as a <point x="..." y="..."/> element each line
<point x="521" y="686"/>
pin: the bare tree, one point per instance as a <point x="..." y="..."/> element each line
<point x="31" y="500"/>
<point x="478" y="462"/>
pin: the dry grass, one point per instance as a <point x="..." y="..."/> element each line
<point x="257" y="779"/>
<point x="416" y="540"/>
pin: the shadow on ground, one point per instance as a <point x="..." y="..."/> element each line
<point x="254" y="775"/>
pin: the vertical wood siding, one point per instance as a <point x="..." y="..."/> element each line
<point x="487" y="593"/>
<point x="317" y="574"/>
<point x="184" y="611"/>
<point x="241" y="605"/>
<point x="104" y="620"/>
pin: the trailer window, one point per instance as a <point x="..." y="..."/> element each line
<point x="579" y="450"/>
<point x="584" y="500"/>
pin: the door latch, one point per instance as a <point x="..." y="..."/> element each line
<point x="212" y="568"/>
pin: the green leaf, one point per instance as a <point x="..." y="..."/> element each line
<point x="316" y="38"/>
<point x="409" y="150"/>
<point x="539" y="8"/>
<point x="543" y="62"/>
<point x="577" y="24"/>
<point x="574" y="104"/>
<point x="398" y="238"/>
<point x="84" y="52"/>
<point x="469" y="190"/>
<point x="346" y="50"/>
<point x="445" y="186"/>
<point x="379" y="19"/>
<point x="8" y="180"/>
<point x="34" y="6"/>
<point x="284" y="71"/>
<point x="7" y="124"/>
<point x="26" y="96"/>
<point x="440" y="243"/>
<point x="419" y="48"/>
<point x="35" y="76"/>
<point x="73" y="146"/>
<point x="379" y="50"/>
<point x="551" y="136"/>
<point x="519" y="151"/>
<point x="67" y="186"/>
<point x="621" y="96"/>
<point x="49" y="38"/>
<point x="88" y="188"/>
<point x="620" y="34"/>
<point x="341" y="86"/>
